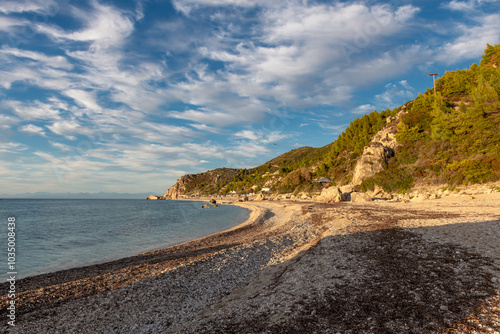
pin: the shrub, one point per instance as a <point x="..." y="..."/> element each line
<point x="470" y="171"/>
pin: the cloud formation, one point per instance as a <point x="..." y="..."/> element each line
<point x="124" y="97"/>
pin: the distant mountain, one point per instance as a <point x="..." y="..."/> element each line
<point x="447" y="136"/>
<point x="100" y="195"/>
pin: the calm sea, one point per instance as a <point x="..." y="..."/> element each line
<point x="53" y="235"/>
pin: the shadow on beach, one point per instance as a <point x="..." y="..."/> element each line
<point x="403" y="284"/>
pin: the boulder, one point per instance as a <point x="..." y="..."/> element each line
<point x="152" y="197"/>
<point x="330" y="195"/>
<point x="212" y="201"/>
<point x="419" y="198"/>
<point x="206" y="206"/>
<point x="245" y="199"/>
<point x="347" y="189"/>
<point x="378" y="191"/>
<point x="260" y="197"/>
<point x="360" y="197"/>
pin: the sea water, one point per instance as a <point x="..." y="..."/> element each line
<point x="52" y="235"/>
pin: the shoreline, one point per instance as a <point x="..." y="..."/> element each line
<point x="252" y="275"/>
<point x="79" y="274"/>
<point x="104" y="260"/>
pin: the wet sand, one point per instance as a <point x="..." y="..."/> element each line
<point x="293" y="267"/>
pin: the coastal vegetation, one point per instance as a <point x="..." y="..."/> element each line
<point x="449" y="136"/>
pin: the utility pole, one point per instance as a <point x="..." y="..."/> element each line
<point x="434" y="81"/>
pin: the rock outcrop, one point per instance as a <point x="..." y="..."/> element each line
<point x="376" y="155"/>
<point x="330" y="195"/>
<point x="260" y="197"/>
<point x="210" y="182"/>
<point x="152" y="197"/>
<point x="178" y="189"/>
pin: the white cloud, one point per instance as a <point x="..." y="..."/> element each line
<point x="83" y="98"/>
<point x="301" y="61"/>
<point x="21" y="6"/>
<point x="32" y="130"/>
<point x="65" y="128"/>
<point x="7" y="24"/>
<point x="460" y="5"/>
<point x="6" y="121"/>
<point x="261" y="136"/>
<point x="54" y="61"/>
<point x="467" y="6"/>
<point x="394" y="95"/>
<point x="217" y="118"/>
<point x="204" y="127"/>
<point x="105" y="27"/>
<point x="12" y="146"/>
<point x="332" y="128"/>
<point x="363" y="109"/>
<point x="186" y="6"/>
<point x="472" y="39"/>
<point x="32" y="110"/>
<point x="62" y="147"/>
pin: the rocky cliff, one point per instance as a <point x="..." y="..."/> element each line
<point x="377" y="154"/>
<point x="208" y="183"/>
<point x="178" y="189"/>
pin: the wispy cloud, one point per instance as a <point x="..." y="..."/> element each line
<point x="21" y="6"/>
<point x="32" y="130"/>
<point x="472" y="39"/>
<point x="114" y="93"/>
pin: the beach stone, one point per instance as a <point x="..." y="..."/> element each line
<point x="206" y="206"/>
<point x="330" y="195"/>
<point x="212" y="201"/>
<point x="377" y="191"/>
<point x="260" y="197"/>
<point x="360" y="197"/>
<point x="347" y="189"/>
<point x="420" y="198"/>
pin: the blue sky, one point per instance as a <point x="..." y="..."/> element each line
<point x="127" y="96"/>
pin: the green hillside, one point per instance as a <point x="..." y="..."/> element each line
<point x="452" y="137"/>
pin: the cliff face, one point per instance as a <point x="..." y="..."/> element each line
<point x="178" y="189"/>
<point x="377" y="154"/>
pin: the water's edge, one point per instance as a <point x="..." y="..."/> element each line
<point x="108" y="258"/>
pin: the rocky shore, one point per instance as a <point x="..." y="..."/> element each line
<point x="293" y="267"/>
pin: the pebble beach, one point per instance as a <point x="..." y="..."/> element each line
<point x="293" y="267"/>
